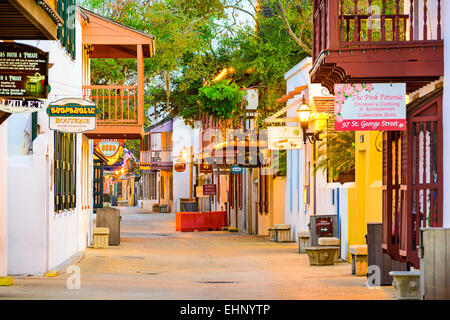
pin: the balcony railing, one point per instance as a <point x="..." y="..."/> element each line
<point x="340" y="24"/>
<point x="156" y="157"/>
<point x="117" y="105"/>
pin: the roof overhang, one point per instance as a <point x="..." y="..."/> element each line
<point x="112" y="39"/>
<point x="28" y="20"/>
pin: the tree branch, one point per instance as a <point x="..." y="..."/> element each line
<point x="289" y="29"/>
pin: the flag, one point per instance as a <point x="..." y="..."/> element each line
<point x="126" y="155"/>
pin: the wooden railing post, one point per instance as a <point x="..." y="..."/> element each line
<point x="140" y="85"/>
<point x="425" y="12"/>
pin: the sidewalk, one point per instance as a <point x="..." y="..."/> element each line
<point x="155" y="262"/>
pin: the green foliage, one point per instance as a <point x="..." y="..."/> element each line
<point x="195" y="40"/>
<point x="221" y="100"/>
<point x="336" y="154"/>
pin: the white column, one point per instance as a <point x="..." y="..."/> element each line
<point x="446" y="113"/>
<point x="3" y="200"/>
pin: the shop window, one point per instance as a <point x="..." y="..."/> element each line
<point x="65" y="169"/>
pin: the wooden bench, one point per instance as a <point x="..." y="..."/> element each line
<point x="303" y="241"/>
<point x="280" y="233"/>
<point x="122" y="203"/>
<point x="321" y="256"/>
<point x="359" y="259"/>
<point x="407" y="284"/>
<point x="331" y="242"/>
<point x="101" y="238"/>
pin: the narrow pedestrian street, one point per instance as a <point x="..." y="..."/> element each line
<point x="155" y="262"/>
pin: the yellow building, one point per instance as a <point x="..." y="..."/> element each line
<point x="365" y="199"/>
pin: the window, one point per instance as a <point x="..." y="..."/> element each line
<point x="85" y="177"/>
<point x="149" y="186"/>
<point x="65" y="169"/>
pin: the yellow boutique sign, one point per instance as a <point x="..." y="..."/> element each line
<point x="72" y="115"/>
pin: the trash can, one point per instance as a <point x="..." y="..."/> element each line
<point x="376" y="256"/>
<point x="189" y="206"/>
<point x="114" y="201"/>
<point x="156" y="207"/>
<point x="110" y="218"/>
<point x="163" y="208"/>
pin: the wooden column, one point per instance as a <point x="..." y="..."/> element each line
<point x="140" y="85"/>
<point x="333" y="24"/>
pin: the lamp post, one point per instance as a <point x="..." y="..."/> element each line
<point x="189" y="155"/>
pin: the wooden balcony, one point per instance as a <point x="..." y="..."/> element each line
<point x="351" y="46"/>
<point x="157" y="159"/>
<point x="118" y="111"/>
<point x="121" y="108"/>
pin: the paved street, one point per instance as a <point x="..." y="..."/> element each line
<point x="155" y="262"/>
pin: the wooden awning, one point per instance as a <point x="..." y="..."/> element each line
<point x="112" y="39"/>
<point x="28" y="20"/>
<point x="291" y="94"/>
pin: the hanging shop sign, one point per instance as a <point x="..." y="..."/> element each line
<point x="21" y="105"/>
<point x="108" y="147"/>
<point x="209" y="190"/>
<point x="206" y="168"/>
<point x="370" y="107"/>
<point x="285" y="138"/>
<point x="236" y="169"/>
<point x="180" y="167"/>
<point x="72" y="115"/>
<point x="23" y="71"/>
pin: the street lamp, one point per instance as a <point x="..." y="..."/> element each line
<point x="185" y="155"/>
<point x="304" y="112"/>
<point x="304" y="115"/>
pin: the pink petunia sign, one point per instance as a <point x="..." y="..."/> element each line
<point x="370" y="107"/>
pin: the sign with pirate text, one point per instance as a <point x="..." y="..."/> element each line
<point x="23" y="71"/>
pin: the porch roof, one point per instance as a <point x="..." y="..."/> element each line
<point x="28" y="20"/>
<point x="112" y="39"/>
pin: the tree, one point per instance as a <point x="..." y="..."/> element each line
<point x="336" y="154"/>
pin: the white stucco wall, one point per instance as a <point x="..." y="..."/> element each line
<point x="38" y="238"/>
<point x="183" y="136"/>
<point x="3" y="199"/>
<point x="27" y="226"/>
